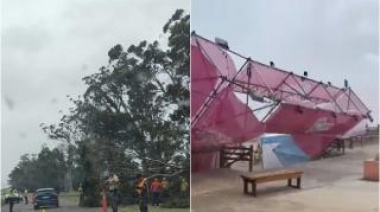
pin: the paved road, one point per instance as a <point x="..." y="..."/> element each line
<point x="64" y="206"/>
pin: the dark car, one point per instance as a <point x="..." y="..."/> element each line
<point x="45" y="197"/>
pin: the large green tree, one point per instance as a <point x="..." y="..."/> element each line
<point x="134" y="116"/>
<point x="140" y="101"/>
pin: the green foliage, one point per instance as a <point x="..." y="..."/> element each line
<point x="115" y="52"/>
<point x="47" y="169"/>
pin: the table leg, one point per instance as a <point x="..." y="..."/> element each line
<point x="245" y="186"/>
<point x="290" y="182"/>
<point x="254" y="188"/>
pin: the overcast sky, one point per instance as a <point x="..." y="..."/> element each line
<point x="332" y="40"/>
<point x="48" y="46"/>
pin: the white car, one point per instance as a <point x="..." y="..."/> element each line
<point x="15" y="197"/>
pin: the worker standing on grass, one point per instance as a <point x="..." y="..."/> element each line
<point x="81" y="195"/>
<point x="156" y="190"/>
<point x="26" y="196"/>
<point x="165" y="194"/>
<point x="164" y="184"/>
<point x="184" y="186"/>
<point x="142" y="191"/>
<point x="113" y="187"/>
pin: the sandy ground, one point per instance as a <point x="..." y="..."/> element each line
<point x="333" y="184"/>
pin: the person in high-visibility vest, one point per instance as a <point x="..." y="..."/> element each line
<point x="11" y="198"/>
<point x="165" y="193"/>
<point x="113" y="187"/>
<point x="184" y="187"/>
<point x="26" y="196"/>
<point x="81" y="194"/>
<point x="164" y="184"/>
<point x="142" y="191"/>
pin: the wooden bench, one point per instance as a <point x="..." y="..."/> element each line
<point x="272" y="176"/>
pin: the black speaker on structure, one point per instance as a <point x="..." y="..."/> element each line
<point x="222" y="43"/>
<point x="369" y="116"/>
<point x="305" y="74"/>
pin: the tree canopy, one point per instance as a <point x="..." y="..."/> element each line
<point x="45" y="169"/>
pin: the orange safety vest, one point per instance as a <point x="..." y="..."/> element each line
<point x="164" y="184"/>
<point x="140" y="186"/>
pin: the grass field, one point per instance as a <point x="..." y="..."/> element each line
<point x="72" y="197"/>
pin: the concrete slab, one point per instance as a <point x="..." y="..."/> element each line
<point x="333" y="184"/>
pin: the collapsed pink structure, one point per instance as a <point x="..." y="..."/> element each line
<point x="314" y="113"/>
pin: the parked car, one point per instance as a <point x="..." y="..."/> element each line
<point x="45" y="197"/>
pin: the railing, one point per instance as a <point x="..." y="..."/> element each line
<point x="230" y="155"/>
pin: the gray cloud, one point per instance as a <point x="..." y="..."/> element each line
<point x="31" y="39"/>
<point x="9" y="102"/>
